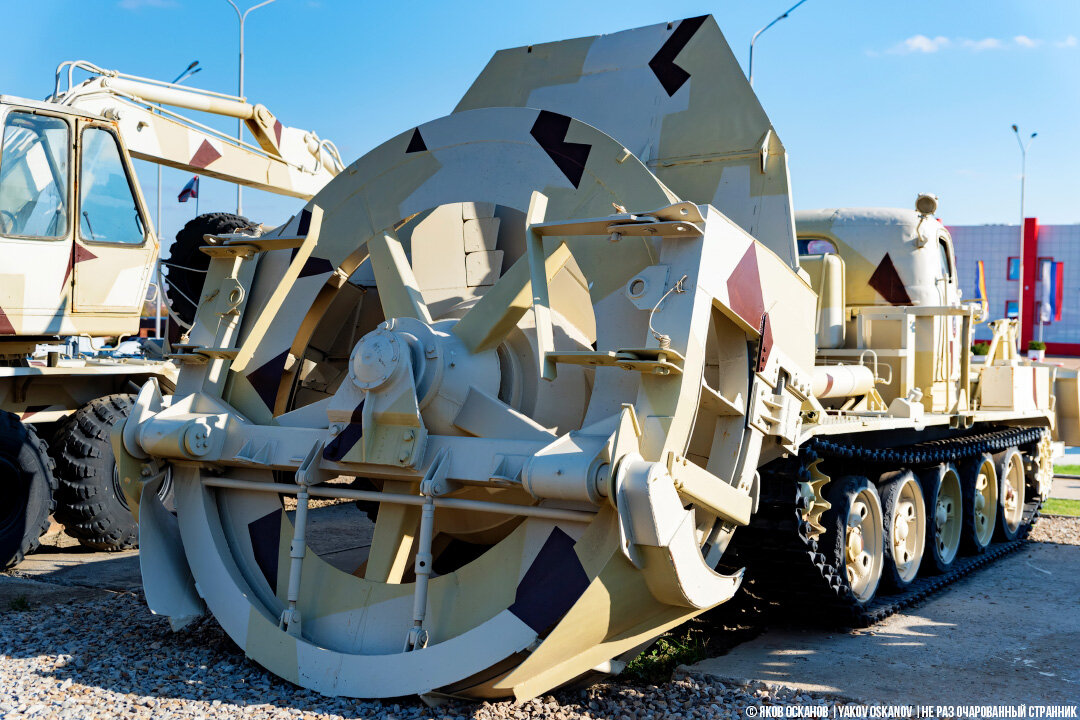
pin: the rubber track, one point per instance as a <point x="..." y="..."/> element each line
<point x="786" y="564"/>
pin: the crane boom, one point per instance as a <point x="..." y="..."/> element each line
<point x="287" y="161"/>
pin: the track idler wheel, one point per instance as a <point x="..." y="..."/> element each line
<point x="854" y="535"/>
<point x="944" y="515"/>
<point x="904" y="512"/>
<point x="1011" y="490"/>
<point x="979" y="486"/>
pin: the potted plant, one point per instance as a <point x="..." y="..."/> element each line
<point x="980" y="348"/>
<point x="1036" y="350"/>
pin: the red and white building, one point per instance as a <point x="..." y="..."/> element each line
<point x="1049" y="252"/>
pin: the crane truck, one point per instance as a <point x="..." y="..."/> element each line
<point x="565" y="343"/>
<point x="77" y="253"/>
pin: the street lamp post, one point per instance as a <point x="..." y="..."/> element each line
<point x="758" y="33"/>
<point x="240" y="123"/>
<point x="1023" y="176"/>
<point x="188" y="72"/>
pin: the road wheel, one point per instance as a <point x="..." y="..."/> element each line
<point x="1010" y="512"/>
<point x="944" y="513"/>
<point x="979" y="486"/>
<point x="904" y="513"/>
<point x="90" y="502"/>
<point x="26" y="486"/>
<point x="185" y="270"/>
<point x="853" y="535"/>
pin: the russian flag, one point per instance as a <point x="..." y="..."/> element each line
<point x="1057" y="290"/>
<point x="191" y="190"/>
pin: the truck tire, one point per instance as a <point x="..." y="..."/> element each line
<point x="89" y="502"/>
<point x="185" y="270"/>
<point x="26" y="487"/>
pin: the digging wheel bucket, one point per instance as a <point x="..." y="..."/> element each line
<point x="426" y="326"/>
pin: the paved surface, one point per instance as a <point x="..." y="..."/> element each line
<point x="1065" y="489"/>
<point x="1009" y="634"/>
<point x="62" y="570"/>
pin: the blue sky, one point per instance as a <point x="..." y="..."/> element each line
<point x="875" y="101"/>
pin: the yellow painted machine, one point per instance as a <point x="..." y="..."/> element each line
<point x="77" y="253"/>
<point x="564" y="346"/>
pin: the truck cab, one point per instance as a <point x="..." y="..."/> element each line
<point x="888" y="294"/>
<point x="75" y="236"/>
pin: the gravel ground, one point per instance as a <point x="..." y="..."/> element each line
<point x="111" y="658"/>
<point x="1057" y="529"/>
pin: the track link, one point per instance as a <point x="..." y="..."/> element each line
<point x="784" y="562"/>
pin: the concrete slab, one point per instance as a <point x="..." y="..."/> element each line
<point x="80" y="567"/>
<point x="62" y="570"/>
<point x="1008" y="634"/>
<point x="1065" y="489"/>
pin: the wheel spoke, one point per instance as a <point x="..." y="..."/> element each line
<point x="399" y="292"/>
<point x="501" y="307"/>
<point x="393" y="538"/>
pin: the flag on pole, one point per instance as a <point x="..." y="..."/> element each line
<point x="980" y="283"/>
<point x="1044" y="304"/>
<point x="191" y="190"/>
<point x="1057" y="290"/>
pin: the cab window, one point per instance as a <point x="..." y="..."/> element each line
<point x="816" y="246"/>
<point x="946" y="259"/>
<point x="34" y="176"/>
<point x="108" y="212"/>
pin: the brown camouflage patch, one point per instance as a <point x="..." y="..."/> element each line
<point x="205" y="155"/>
<point x="744" y="289"/>
<point x="886" y="281"/>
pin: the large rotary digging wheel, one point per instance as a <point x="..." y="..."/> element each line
<point x="570" y="412"/>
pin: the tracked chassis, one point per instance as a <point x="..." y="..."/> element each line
<point x="784" y="561"/>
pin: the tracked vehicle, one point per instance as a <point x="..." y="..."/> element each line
<point x="562" y="344"/>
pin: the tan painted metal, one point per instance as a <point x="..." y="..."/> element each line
<point x="566" y="325"/>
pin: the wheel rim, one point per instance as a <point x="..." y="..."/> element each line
<point x="947" y="519"/>
<point x="908" y="530"/>
<point x="863" y="547"/>
<point x="1012" y="497"/>
<point x="985" y="502"/>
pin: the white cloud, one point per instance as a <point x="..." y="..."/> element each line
<point x="140" y="4"/>
<point x="921" y="44"/>
<point x="980" y="45"/>
<point x="926" y="44"/>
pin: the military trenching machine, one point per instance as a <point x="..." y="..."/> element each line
<point x="77" y="253"/>
<point x="563" y="346"/>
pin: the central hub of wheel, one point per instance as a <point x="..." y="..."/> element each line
<point x="855" y="544"/>
<point x="443" y="371"/>
<point x="375" y="359"/>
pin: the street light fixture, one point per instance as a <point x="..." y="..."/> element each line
<point x="754" y="39"/>
<point x="1023" y="174"/>
<point x="240" y="123"/>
